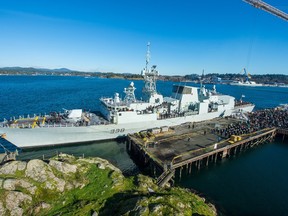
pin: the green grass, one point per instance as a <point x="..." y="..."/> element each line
<point x="108" y="193"/>
<point x="83" y="201"/>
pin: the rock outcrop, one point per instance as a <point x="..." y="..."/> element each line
<point x="26" y="183"/>
<point x="15" y="200"/>
<point x="13" y="184"/>
<point x="88" y="186"/>
<point x="41" y="172"/>
<point x="12" y="167"/>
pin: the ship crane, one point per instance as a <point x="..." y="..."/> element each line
<point x="246" y="75"/>
<point x="268" y="8"/>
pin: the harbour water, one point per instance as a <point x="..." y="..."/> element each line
<point x="113" y="151"/>
<point x="252" y="183"/>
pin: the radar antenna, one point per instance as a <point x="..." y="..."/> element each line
<point x="130" y="96"/>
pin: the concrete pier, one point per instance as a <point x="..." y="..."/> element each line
<point x="190" y="147"/>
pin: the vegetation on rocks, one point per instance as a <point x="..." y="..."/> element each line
<point x="90" y="186"/>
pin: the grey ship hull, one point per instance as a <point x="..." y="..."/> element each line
<point x="45" y="136"/>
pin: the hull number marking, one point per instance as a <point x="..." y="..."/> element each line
<point x="117" y="130"/>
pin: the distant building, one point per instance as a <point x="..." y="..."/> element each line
<point x="216" y="79"/>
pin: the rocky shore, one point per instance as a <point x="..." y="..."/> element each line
<point x="66" y="185"/>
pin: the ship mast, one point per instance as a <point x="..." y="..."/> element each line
<point x="147" y="56"/>
<point x="150" y="76"/>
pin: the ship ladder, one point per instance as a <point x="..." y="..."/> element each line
<point x="43" y="121"/>
<point x="35" y="122"/>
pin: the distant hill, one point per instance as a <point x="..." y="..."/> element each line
<point x="62" y="70"/>
<point x="38" y="71"/>
<point x="207" y="78"/>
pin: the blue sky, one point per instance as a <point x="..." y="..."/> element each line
<point x="186" y="36"/>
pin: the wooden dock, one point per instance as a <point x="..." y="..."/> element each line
<point x="166" y="153"/>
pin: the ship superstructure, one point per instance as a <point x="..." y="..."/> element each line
<point x="120" y="116"/>
<point x="185" y="100"/>
<point x="130" y="109"/>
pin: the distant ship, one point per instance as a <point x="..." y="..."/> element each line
<point x="118" y="116"/>
<point x="247" y="81"/>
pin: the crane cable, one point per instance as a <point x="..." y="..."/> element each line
<point x="252" y="41"/>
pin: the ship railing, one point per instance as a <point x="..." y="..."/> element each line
<point x="176" y="115"/>
<point x="241" y="103"/>
<point x="56" y="155"/>
<point x="190" y="113"/>
<point x="3" y="125"/>
<point x="28" y="116"/>
<point x="74" y="124"/>
<point x="43" y="126"/>
<point x="59" y="125"/>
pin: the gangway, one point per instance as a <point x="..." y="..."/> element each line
<point x="268" y="8"/>
<point x="8" y="151"/>
<point x="165" y="177"/>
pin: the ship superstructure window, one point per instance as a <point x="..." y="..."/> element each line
<point x="182" y="90"/>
